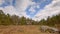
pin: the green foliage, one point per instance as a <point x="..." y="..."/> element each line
<point x="51" y="21"/>
<point x="16" y="20"/>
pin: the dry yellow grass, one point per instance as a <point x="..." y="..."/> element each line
<point x="22" y="29"/>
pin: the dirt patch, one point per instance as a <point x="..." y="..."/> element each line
<point x="22" y="29"/>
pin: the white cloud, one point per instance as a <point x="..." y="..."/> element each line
<point x="9" y="9"/>
<point x="12" y="11"/>
<point x="1" y="2"/>
<point x="32" y="10"/>
<point x="23" y="4"/>
<point x="49" y="10"/>
<point x="19" y="8"/>
<point x="38" y="6"/>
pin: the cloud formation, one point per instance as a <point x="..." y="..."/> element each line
<point x="49" y="10"/>
<point x="1" y="2"/>
<point x="19" y="7"/>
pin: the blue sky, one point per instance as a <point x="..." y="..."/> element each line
<point x="41" y="3"/>
<point x="31" y="8"/>
<point x="7" y="3"/>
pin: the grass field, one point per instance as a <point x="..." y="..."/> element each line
<point x="22" y="29"/>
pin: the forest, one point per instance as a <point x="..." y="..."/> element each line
<point x="7" y="19"/>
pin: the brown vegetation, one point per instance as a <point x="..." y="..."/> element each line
<point x="22" y="29"/>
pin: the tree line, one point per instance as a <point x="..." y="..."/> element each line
<point x="7" y="19"/>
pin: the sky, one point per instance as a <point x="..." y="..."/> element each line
<point x="34" y="9"/>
